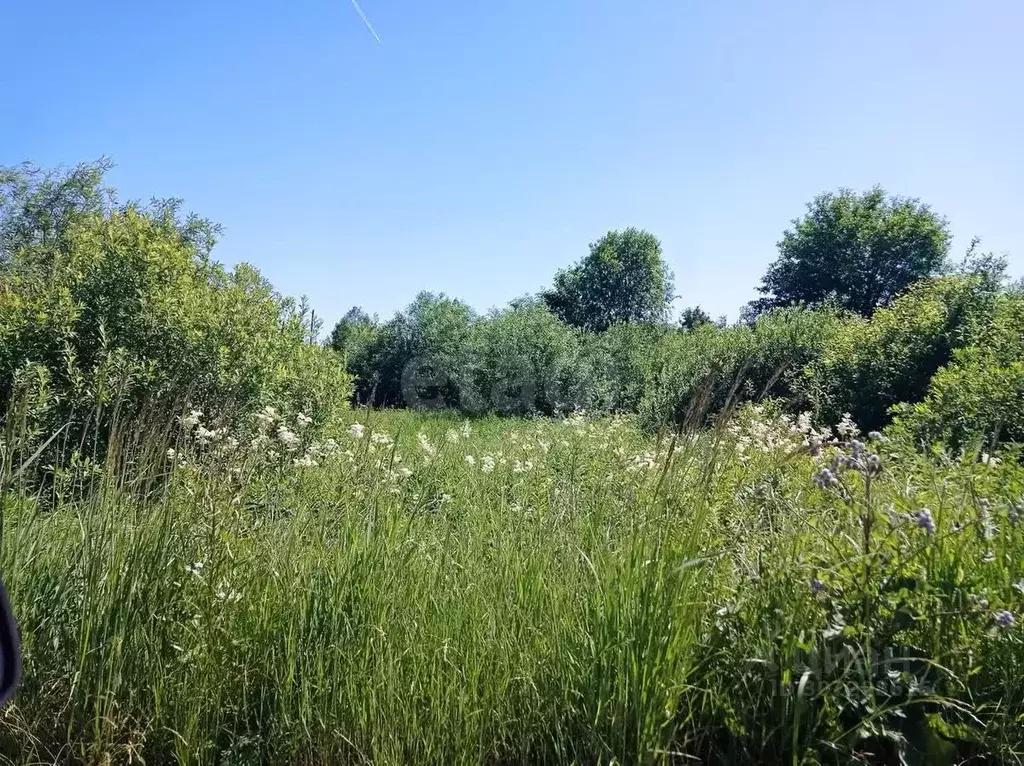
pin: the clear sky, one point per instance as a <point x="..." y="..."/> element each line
<point x="483" y="144"/>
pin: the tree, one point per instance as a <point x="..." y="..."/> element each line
<point x="694" y="317"/>
<point x="623" y="279"/>
<point x="350" y="329"/>
<point x="857" y="251"/>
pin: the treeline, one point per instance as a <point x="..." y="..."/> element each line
<point x="862" y="312"/>
<point x="113" y="310"/>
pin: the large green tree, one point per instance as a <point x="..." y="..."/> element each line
<point x="857" y="251"/>
<point x="624" y="278"/>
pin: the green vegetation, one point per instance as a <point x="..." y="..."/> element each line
<point x="570" y="530"/>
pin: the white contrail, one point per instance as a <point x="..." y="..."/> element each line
<point x="365" y="20"/>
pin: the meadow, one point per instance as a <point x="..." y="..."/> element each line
<point x="400" y="587"/>
<point x="576" y="529"/>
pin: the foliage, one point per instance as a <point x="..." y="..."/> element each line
<point x="522" y="360"/>
<point x="623" y="279"/>
<point x="702" y="371"/>
<point x="978" y="398"/>
<point x="874" y="363"/>
<point x="124" y="311"/>
<point x="693" y="317"/>
<point x="858" y="251"/>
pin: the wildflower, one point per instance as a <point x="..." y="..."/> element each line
<point x="425" y="444"/>
<point x="1004" y="618"/>
<point x="288" y="438"/>
<point x="196" y="568"/>
<point x="470" y="460"/>
<point x="846" y="427"/>
<point x="445" y="498"/>
<point x="171" y="454"/>
<point x="467" y="430"/>
<point x="306" y="461"/>
<point x="875" y="436"/>
<point x="825" y="478"/>
<point x="989" y="557"/>
<point x="803" y="423"/>
<point x="403" y="472"/>
<point x="192" y="419"/>
<point x="990" y="460"/>
<point x="205" y="435"/>
<point x="523" y="466"/>
<point x="817" y="586"/>
<point x="813" y="445"/>
<point x="925" y="521"/>
<point x="356" y="430"/>
<point x="267" y="417"/>
<point x="487" y="464"/>
<point x="303" y="420"/>
<point x="644" y="461"/>
<point x="381" y="438"/>
<point x="1019" y="586"/>
<point x="872" y="464"/>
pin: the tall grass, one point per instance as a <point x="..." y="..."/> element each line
<point x="599" y="596"/>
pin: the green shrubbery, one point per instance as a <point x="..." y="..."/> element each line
<point x="112" y="310"/>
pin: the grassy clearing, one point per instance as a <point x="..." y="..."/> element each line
<point x="421" y="590"/>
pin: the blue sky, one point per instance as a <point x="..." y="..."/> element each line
<point x="482" y="145"/>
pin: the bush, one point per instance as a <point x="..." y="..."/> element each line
<point x="708" y="368"/>
<point x="124" y="310"/>
<point x="979" y="396"/>
<point x="872" y="364"/>
<point x="523" y="359"/>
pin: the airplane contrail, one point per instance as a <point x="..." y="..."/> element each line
<point x="366" y="20"/>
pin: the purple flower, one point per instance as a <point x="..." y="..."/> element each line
<point x="925" y="521"/>
<point x="1004" y="618"/>
<point x="825" y="478"/>
<point x="817" y="586"/>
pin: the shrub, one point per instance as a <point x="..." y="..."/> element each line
<point x="702" y="370"/>
<point x="523" y="359"/>
<point x="872" y="364"/>
<point x="979" y="396"/>
<point x="124" y="309"/>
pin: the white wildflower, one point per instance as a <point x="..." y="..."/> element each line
<point x="487" y="464"/>
<point x="470" y="460"/>
<point x="303" y="420"/>
<point x="306" y="461"/>
<point x="425" y="444"/>
<point x="846" y="427"/>
<point x="267" y="417"/>
<point x="381" y="439"/>
<point x="356" y="430"/>
<point x="192" y="419"/>
<point x="288" y="438"/>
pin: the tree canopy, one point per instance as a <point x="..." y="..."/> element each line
<point x="624" y="278"/>
<point x="857" y="251"/>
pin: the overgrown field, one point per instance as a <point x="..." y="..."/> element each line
<point x="405" y="588"/>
